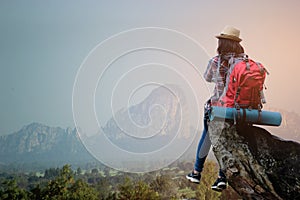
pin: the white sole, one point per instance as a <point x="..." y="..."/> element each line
<point x="192" y="179"/>
<point x="216" y="188"/>
<point x="221" y="186"/>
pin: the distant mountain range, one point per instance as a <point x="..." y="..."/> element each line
<point x="52" y="146"/>
<point x="38" y="143"/>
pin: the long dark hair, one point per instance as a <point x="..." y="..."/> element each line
<point x="226" y="46"/>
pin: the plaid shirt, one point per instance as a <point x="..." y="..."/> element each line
<point x="219" y="78"/>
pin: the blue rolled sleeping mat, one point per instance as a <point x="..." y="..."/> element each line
<point x="245" y="115"/>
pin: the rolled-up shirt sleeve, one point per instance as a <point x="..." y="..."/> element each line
<point x="208" y="74"/>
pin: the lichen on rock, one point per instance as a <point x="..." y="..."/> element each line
<point x="257" y="164"/>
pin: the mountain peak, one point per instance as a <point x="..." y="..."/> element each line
<point x="33" y="126"/>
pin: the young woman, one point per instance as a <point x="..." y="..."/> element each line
<point x="228" y="47"/>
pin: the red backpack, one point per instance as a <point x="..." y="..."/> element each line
<point x="244" y="84"/>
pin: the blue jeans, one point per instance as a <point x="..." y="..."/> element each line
<point x="204" y="146"/>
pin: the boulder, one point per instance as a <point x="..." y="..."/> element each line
<point x="257" y="164"/>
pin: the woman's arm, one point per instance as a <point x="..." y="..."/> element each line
<point x="210" y="70"/>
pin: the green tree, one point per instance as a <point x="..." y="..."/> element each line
<point x="51" y="173"/>
<point x="136" y="191"/>
<point x="10" y="191"/>
<point x="36" y="193"/>
<point x="95" y="171"/>
<point x="64" y="187"/>
<point x="58" y="188"/>
<point x="165" y="186"/>
<point x="78" y="171"/>
<point x="208" y="176"/>
<point x="81" y="190"/>
<point x="105" y="190"/>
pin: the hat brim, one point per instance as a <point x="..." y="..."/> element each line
<point x="230" y="37"/>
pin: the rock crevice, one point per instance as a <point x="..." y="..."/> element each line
<point x="258" y="165"/>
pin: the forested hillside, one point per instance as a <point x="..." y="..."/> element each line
<point x="105" y="184"/>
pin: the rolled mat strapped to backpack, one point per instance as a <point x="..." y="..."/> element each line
<point x="246" y="115"/>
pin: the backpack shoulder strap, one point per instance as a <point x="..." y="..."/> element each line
<point x="246" y="60"/>
<point x="262" y="68"/>
<point x="232" y="62"/>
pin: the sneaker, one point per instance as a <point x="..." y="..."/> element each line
<point x="193" y="177"/>
<point x="220" y="184"/>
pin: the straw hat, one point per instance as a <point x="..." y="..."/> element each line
<point x="230" y="33"/>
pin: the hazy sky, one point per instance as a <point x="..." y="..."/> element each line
<point x="43" y="44"/>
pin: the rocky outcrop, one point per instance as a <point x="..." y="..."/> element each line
<point x="258" y="165"/>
